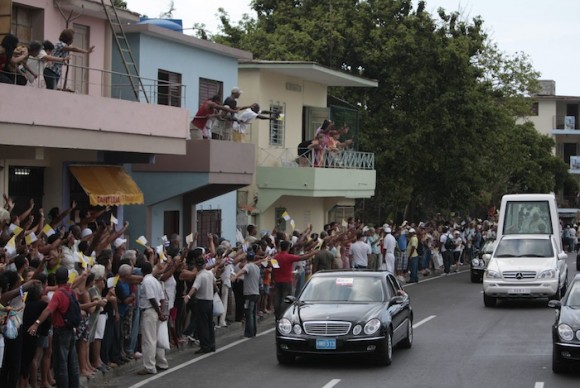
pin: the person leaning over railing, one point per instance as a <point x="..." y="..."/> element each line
<point x="53" y="71"/>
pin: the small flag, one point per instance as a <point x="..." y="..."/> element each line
<point x="239" y="236"/>
<point x="115" y="280"/>
<point x="293" y="224"/>
<point x="286" y="216"/>
<point x="10" y="247"/>
<point x="72" y="275"/>
<point x="164" y="238"/>
<point x="275" y="263"/>
<point x="13" y="228"/>
<point x="281" y="117"/>
<point x="30" y="238"/>
<point x="160" y="252"/>
<point x="344" y="223"/>
<point x="189" y="238"/>
<point x="114" y="220"/>
<point x="25" y="296"/>
<point x="319" y="245"/>
<point x="142" y="241"/>
<point x="47" y="230"/>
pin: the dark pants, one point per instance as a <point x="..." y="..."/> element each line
<point x="203" y="310"/>
<point x="238" y="288"/>
<point x="11" y="366"/>
<point x="65" y="362"/>
<point x="282" y="291"/>
<point x="251" y="312"/>
<point x="414" y="266"/>
<point x="447" y="259"/>
<point x="50" y="78"/>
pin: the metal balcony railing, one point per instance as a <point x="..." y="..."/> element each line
<point x="344" y="159"/>
<point x="565" y="122"/>
<point x="112" y="84"/>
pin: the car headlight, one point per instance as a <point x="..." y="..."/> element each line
<point x="372" y="326"/>
<point x="565" y="332"/>
<point x="475" y="262"/>
<point x="491" y="274"/>
<point x="547" y="274"/>
<point x="297" y="329"/>
<point x="284" y="326"/>
<point x="357" y="329"/>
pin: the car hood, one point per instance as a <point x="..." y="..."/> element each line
<point x="570" y="316"/>
<point x="352" y="312"/>
<point x="522" y="263"/>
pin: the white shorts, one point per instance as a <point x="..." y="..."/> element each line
<point x="101" y="323"/>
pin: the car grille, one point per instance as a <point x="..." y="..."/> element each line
<point x="519" y="275"/>
<point x="331" y="328"/>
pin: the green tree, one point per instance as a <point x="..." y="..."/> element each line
<point x="442" y="122"/>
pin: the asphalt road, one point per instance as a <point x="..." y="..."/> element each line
<point x="458" y="343"/>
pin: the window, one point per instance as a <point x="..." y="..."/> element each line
<point x="171" y="222"/>
<point x="22" y="23"/>
<point x="340" y="213"/>
<point x="209" y="88"/>
<point x="279" y="221"/>
<point x="208" y="221"/>
<point x="168" y="88"/>
<point x="535" y="109"/>
<point x="25" y="183"/>
<point x="277" y="126"/>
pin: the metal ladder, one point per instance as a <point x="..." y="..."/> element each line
<point x="124" y="49"/>
<point x="5" y="17"/>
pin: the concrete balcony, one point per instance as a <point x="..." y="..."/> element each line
<point x="210" y="168"/>
<point x="35" y="117"/>
<point x="348" y="174"/>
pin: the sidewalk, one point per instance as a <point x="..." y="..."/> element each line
<point x="227" y="334"/>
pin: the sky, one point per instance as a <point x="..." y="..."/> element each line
<point x="546" y="30"/>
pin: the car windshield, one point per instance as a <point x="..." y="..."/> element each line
<point x="343" y="289"/>
<point x="524" y="248"/>
<point x="525" y="217"/>
<point x="574" y="295"/>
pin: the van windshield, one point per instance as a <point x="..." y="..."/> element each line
<point x="527" y="217"/>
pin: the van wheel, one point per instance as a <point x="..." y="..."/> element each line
<point x="489" y="301"/>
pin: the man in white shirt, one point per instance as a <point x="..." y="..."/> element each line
<point x="203" y="289"/>
<point x="389" y="243"/>
<point x="152" y="303"/>
<point x="240" y="126"/>
<point x="360" y="252"/>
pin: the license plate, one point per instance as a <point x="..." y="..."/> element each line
<point x="326" y="343"/>
<point x="519" y="290"/>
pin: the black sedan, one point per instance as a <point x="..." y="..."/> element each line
<point x="479" y="263"/>
<point x="346" y="312"/>
<point x="566" y="329"/>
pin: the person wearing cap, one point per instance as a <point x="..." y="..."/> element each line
<point x="413" y="255"/>
<point x="389" y="245"/>
<point x="64" y="354"/>
<point x="223" y="129"/>
<point x="152" y="303"/>
<point x="203" y="289"/>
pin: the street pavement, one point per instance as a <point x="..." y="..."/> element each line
<point x="458" y="343"/>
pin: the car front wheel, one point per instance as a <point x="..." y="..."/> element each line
<point x="284" y="358"/>
<point x="489" y="301"/>
<point x="557" y="365"/>
<point x="408" y="341"/>
<point x="385" y="354"/>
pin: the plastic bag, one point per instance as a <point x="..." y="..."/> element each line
<point x="218" y="306"/>
<point x="10" y="330"/>
<point x="163" y="336"/>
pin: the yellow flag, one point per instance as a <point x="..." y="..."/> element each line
<point x="13" y="228"/>
<point x="10" y="247"/>
<point x="47" y="230"/>
<point x="72" y="276"/>
<point x="286" y="216"/>
<point x="115" y="280"/>
<point x="275" y="263"/>
<point x="142" y="241"/>
<point x="30" y="238"/>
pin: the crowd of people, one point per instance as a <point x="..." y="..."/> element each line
<point x="75" y="301"/>
<point x="36" y="64"/>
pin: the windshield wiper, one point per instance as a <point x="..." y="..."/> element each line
<point x="506" y="255"/>
<point x="531" y="255"/>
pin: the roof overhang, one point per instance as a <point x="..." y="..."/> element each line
<point x="312" y="72"/>
<point x="188" y="40"/>
<point x="94" y="8"/>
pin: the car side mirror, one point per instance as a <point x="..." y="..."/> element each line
<point x="290" y="299"/>
<point x="562" y="256"/>
<point x="555" y="304"/>
<point x="396" y="300"/>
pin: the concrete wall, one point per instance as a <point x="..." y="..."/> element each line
<point x="227" y="204"/>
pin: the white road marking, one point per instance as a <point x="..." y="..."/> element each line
<point x="434" y="278"/>
<point x="539" y="384"/>
<point x="193" y="361"/>
<point x="416" y="325"/>
<point x="332" y="383"/>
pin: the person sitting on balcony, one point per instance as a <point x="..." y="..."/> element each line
<point x="208" y="109"/>
<point x="62" y="49"/>
<point x="240" y="125"/>
<point x="10" y="58"/>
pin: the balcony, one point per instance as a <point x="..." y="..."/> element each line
<point x="86" y="117"/>
<point x="210" y="168"/>
<point x="346" y="173"/>
<point x="565" y="125"/>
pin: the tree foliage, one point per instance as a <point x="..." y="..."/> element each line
<point x="443" y="122"/>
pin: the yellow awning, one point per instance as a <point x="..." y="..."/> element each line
<point x="108" y="185"/>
